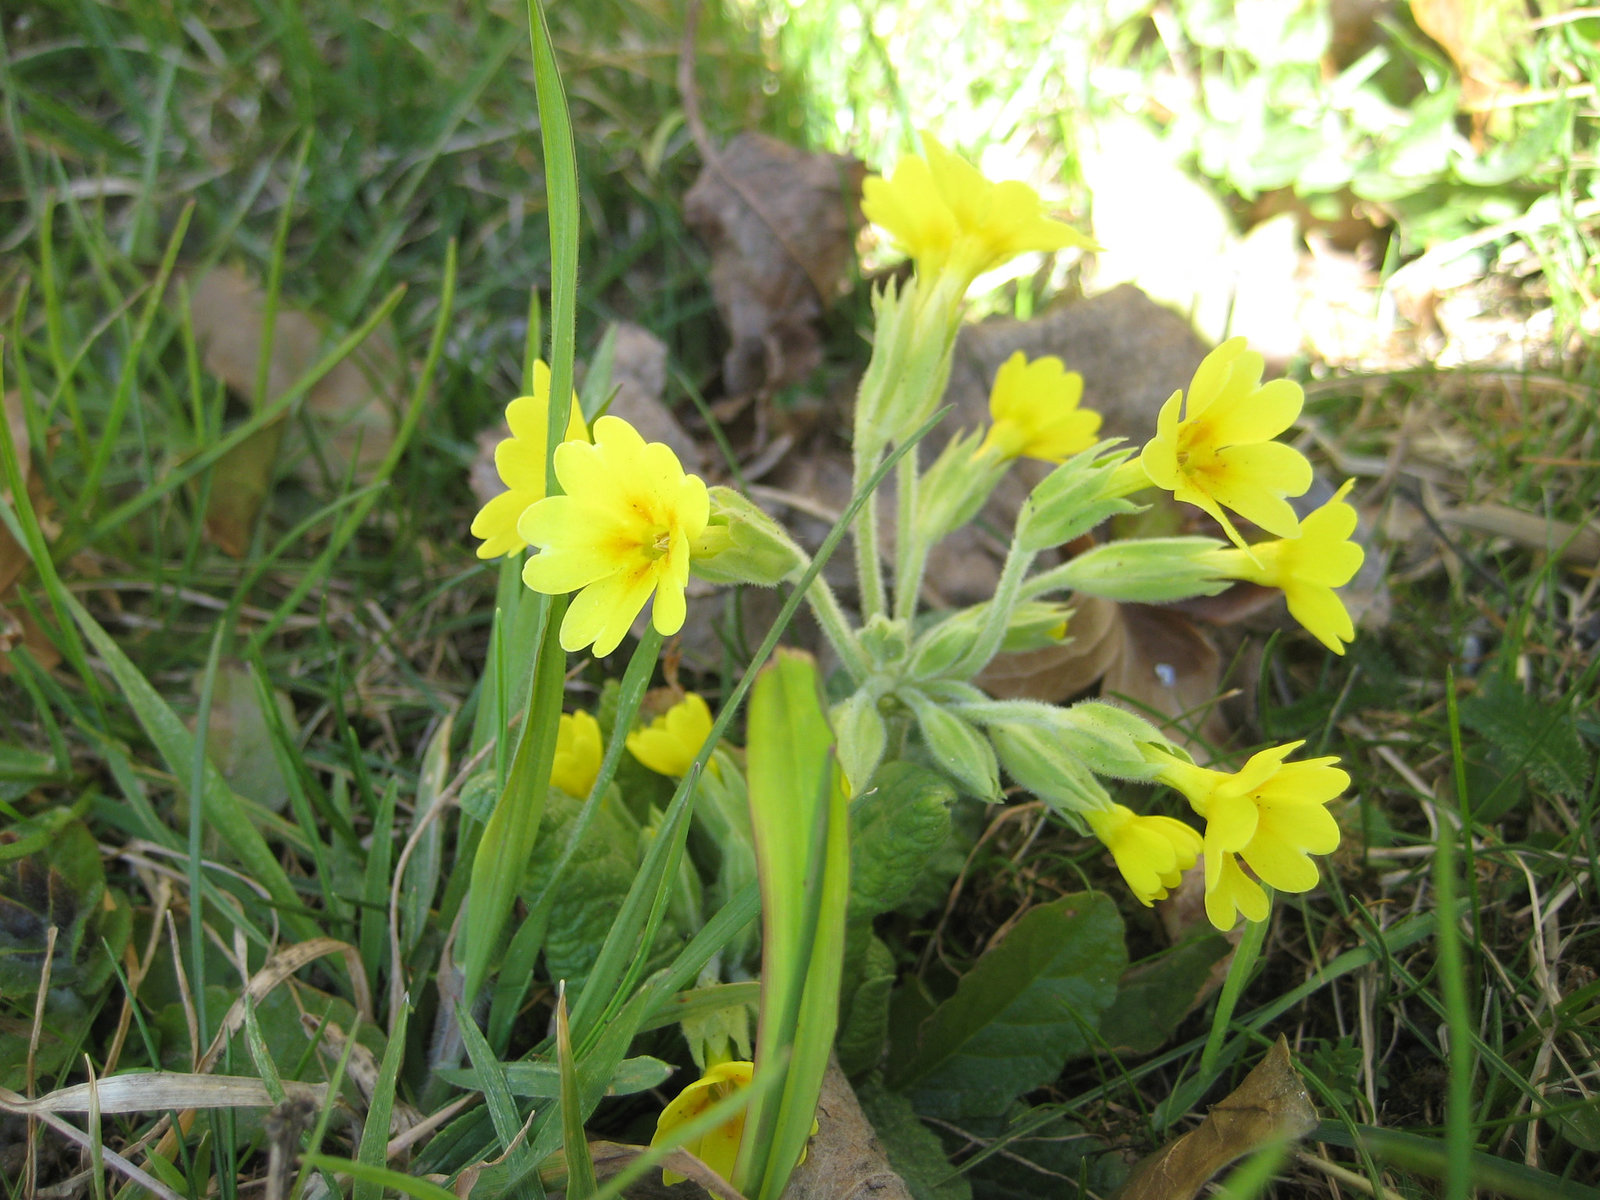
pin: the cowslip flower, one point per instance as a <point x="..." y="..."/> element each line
<point x="942" y="212"/>
<point x="578" y="753"/>
<point x="1034" y="406"/>
<point x="622" y="533"/>
<point x="1152" y="852"/>
<point x="1216" y="451"/>
<point x="1271" y="813"/>
<point x="1307" y="568"/>
<point x="668" y="744"/>
<point x="718" y="1149"/>
<point x="519" y="460"/>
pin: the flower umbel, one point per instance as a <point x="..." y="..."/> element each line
<point x="1151" y="852"/>
<point x="1271" y="813"/>
<point x="1035" y="410"/>
<point x="1220" y="454"/>
<point x="668" y="745"/>
<point x="942" y="212"/>
<point x="1307" y="569"/>
<point x="622" y="533"/>
<point x="578" y="753"/>
<point x="718" y="1149"/>
<point x="519" y="460"/>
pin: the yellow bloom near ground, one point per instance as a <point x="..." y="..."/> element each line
<point x="668" y="745"/>
<point x="718" y="1149"/>
<point x="1307" y="568"/>
<point x="519" y="460"/>
<point x="578" y="753"/>
<point x="943" y="213"/>
<point x="621" y="535"/>
<point x="1034" y="407"/>
<point x="1271" y="813"/>
<point x="1152" y="852"/>
<point x="1215" y="450"/>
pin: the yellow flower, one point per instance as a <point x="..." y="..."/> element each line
<point x="578" y="753"/>
<point x="1307" y="569"/>
<point x="718" y="1149"/>
<point x="1220" y="453"/>
<point x="943" y="213"/>
<point x="668" y="745"/>
<point x="622" y="533"/>
<point x="1271" y="813"/>
<point x="1151" y="852"/>
<point x="519" y="459"/>
<point x="1035" y="410"/>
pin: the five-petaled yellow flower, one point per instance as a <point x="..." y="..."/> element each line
<point x="1151" y="852"/>
<point x="668" y="744"/>
<point x="622" y="533"/>
<point x="578" y="753"/>
<point x="1271" y="813"/>
<point x="520" y="459"/>
<point x="718" y="1149"/>
<point x="1035" y="410"/>
<point x="1217" y="451"/>
<point x="942" y="212"/>
<point x="1307" y="569"/>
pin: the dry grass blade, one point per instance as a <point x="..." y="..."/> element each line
<point x="157" y="1091"/>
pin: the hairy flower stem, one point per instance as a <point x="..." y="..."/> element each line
<point x="1007" y="595"/>
<point x="910" y="549"/>
<point x="836" y="628"/>
<point x="869" y="567"/>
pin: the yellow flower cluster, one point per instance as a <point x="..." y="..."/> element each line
<point x="519" y="460"/>
<point x="944" y="214"/>
<point x="1216" y="450"/>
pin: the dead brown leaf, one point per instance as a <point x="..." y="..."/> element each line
<point x="1271" y="1105"/>
<point x="1482" y="36"/>
<point x="350" y="409"/>
<point x="1095" y="635"/>
<point x="1168" y="665"/>
<point x="780" y="223"/>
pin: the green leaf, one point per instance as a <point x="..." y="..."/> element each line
<point x="1029" y="1005"/>
<point x="914" y="1150"/>
<point x="864" y="1002"/>
<point x="542" y="1080"/>
<point x="580" y="1163"/>
<point x="896" y="829"/>
<point x="597" y="878"/>
<point x="802" y="828"/>
<point x="1156" y="994"/>
<point x="1528" y="734"/>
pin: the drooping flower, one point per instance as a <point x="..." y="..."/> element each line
<point x="942" y="212"/>
<point x="668" y="744"/>
<point x="578" y="753"/>
<point x="1307" y="568"/>
<point x="1152" y="852"/>
<point x="718" y="1149"/>
<point x="1216" y="451"/>
<point x="1271" y="813"/>
<point x="519" y="460"/>
<point x="1034" y="406"/>
<point x="623" y="532"/>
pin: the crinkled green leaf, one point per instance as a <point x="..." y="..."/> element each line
<point x="595" y="882"/>
<point x="864" y="1001"/>
<point x="896" y="828"/>
<point x="914" y="1150"/>
<point x="1016" y="1018"/>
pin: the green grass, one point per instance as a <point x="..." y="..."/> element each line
<point x="382" y="167"/>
